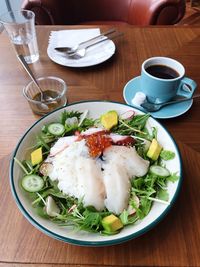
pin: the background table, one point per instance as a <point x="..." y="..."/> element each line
<point x="176" y="240"/>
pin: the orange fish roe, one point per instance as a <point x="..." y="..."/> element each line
<point x="97" y="143"/>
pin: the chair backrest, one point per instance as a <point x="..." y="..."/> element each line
<point x="99" y="10"/>
<point x="135" y="12"/>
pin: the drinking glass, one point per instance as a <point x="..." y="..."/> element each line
<point x="51" y="86"/>
<point x="20" y="26"/>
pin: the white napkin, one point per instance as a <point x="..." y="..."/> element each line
<point x="71" y="37"/>
<point x="94" y="55"/>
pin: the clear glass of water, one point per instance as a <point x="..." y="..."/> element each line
<point x="20" y="26"/>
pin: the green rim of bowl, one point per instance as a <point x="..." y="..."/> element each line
<point x="81" y="242"/>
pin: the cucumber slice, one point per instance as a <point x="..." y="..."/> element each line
<point x="159" y="171"/>
<point x="56" y="129"/>
<point x="32" y="183"/>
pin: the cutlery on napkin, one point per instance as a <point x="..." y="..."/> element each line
<point x="88" y="42"/>
<point x="95" y="54"/>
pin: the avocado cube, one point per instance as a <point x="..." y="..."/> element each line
<point x="111" y="223"/>
<point x="154" y="150"/>
<point x="36" y="156"/>
<point x="109" y="119"/>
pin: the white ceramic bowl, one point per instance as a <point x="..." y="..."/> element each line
<point x="96" y="108"/>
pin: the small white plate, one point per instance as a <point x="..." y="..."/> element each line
<point x="94" y="55"/>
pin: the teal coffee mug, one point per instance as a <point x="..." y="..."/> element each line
<point x="163" y="78"/>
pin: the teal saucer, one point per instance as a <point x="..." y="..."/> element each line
<point x="170" y="111"/>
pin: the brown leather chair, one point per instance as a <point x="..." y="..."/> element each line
<point x="135" y="12"/>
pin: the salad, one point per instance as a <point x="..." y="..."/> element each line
<point x="97" y="175"/>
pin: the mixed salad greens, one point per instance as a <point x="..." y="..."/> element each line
<point x="49" y="202"/>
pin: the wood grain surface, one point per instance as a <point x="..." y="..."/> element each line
<point x="105" y="81"/>
<point x="173" y="242"/>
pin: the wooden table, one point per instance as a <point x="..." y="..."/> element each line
<point x="176" y="240"/>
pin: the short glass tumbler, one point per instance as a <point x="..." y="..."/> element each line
<point x="53" y="87"/>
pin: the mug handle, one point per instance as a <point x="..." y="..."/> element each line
<point x="187" y="87"/>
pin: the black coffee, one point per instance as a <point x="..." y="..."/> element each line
<point x="162" y="71"/>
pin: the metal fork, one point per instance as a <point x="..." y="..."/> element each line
<point x="80" y="53"/>
<point x="81" y="45"/>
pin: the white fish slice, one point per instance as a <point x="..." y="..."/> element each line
<point x="62" y="143"/>
<point x="128" y="157"/>
<point x="90" y="182"/>
<point x="117" y="185"/>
